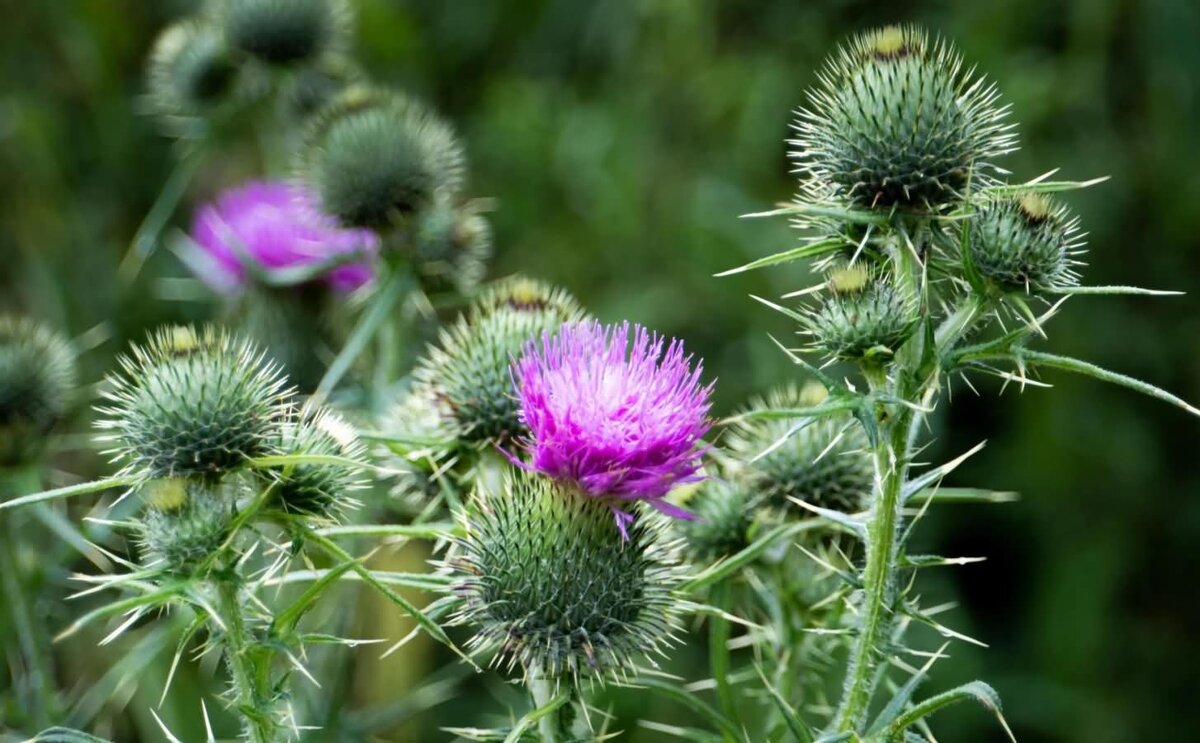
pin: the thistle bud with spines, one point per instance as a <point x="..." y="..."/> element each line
<point x="897" y="123"/>
<point x="825" y="462"/>
<point x="191" y="69"/>
<point x="375" y="158"/>
<point x="285" y="32"/>
<point x="453" y="243"/>
<point x="865" y="316"/>
<point x="725" y="512"/>
<point x="185" y="521"/>
<point x="37" y="384"/>
<point x="544" y="575"/>
<point x="318" y="490"/>
<point x="1025" y="243"/>
<point x="192" y="403"/>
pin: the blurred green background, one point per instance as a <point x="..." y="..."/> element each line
<point x="623" y="139"/>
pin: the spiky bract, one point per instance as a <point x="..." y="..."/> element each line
<point x="185" y="521"/>
<point x="616" y="410"/>
<point x="453" y="245"/>
<point x="420" y="453"/>
<point x="468" y="370"/>
<point x="192" y="403"/>
<point x="375" y="158"/>
<point x="896" y="122"/>
<point x="319" y="489"/>
<point x="544" y="575"/>
<point x="824" y="462"/>
<point x="1025" y="243"/>
<point x="37" y="384"/>
<point x="525" y="294"/>
<point x="725" y="512"/>
<point x="190" y="69"/>
<point x="284" y="32"/>
<point x="863" y="321"/>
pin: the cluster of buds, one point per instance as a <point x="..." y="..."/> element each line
<point x="37" y="385"/>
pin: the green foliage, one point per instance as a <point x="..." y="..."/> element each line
<point x="725" y="512"/>
<point x="37" y="386"/>
<point x="546" y="575"/>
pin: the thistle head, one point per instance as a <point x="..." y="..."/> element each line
<point x="1026" y="243"/>
<point x="725" y="513"/>
<point x="285" y="32"/>
<point x="452" y="246"/>
<point x="468" y="373"/>
<point x="192" y="404"/>
<point x="864" y="317"/>
<point x="897" y="122"/>
<point x="824" y="462"/>
<point x="543" y="574"/>
<point x="323" y="489"/>
<point x="419" y="454"/>
<point x="185" y="521"/>
<point x="190" y="70"/>
<point x="37" y="384"/>
<point x="524" y="294"/>
<point x="268" y="231"/>
<point x="376" y="158"/>
<point x="614" y="410"/>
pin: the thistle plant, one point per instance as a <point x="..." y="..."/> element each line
<point x="934" y="268"/>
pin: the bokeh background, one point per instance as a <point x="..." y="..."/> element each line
<point x="621" y="141"/>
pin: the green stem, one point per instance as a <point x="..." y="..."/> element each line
<point x="251" y="689"/>
<point x="878" y="577"/>
<point x="556" y="726"/>
<point x="718" y="652"/>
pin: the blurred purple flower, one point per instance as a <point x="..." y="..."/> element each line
<point x="622" y="422"/>
<point x="275" y="225"/>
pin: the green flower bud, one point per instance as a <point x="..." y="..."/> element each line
<point x="825" y="462"/>
<point x="725" y="513"/>
<point x="896" y="122"/>
<point x="1025" y="244"/>
<point x="185" y="521"/>
<point x="37" y="384"/>
<point x="192" y="403"/>
<point x="419" y="455"/>
<point x="453" y="245"/>
<point x="190" y="69"/>
<point x="468" y="374"/>
<point x="863" y="317"/>
<point x="318" y="490"/>
<point x="545" y="575"/>
<point x="284" y="32"/>
<point x="316" y="86"/>
<point x="375" y="158"/>
<point x="523" y="294"/>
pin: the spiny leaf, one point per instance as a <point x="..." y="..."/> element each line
<point x="841" y="214"/>
<point x="799" y="729"/>
<point x="531" y="718"/>
<point x="975" y="690"/>
<point x="1042" y="186"/>
<point x="1116" y="291"/>
<point x="66" y="735"/>
<point x="748" y="554"/>
<point x="963" y="495"/>
<point x="107" y="483"/>
<point x="808" y="250"/>
<point x="394" y="287"/>
<point x="691" y="701"/>
<point x="932" y="476"/>
<point x="1067" y="363"/>
<point x="286" y="620"/>
<point x="433" y="530"/>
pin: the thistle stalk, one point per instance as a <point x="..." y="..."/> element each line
<point x="251" y="687"/>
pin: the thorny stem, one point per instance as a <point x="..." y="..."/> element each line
<point x="556" y="726"/>
<point x="251" y="699"/>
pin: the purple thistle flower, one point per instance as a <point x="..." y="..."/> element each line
<point x="620" y="421"/>
<point x="274" y="225"/>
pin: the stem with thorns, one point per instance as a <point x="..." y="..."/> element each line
<point x="251" y="687"/>
<point x="557" y="726"/>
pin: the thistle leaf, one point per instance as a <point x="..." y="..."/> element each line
<point x="66" y="735"/>
<point x="1115" y="291"/>
<point x="673" y="691"/>
<point x="1067" y="363"/>
<point x="531" y="718"/>
<point x="107" y="483"/>
<point x="721" y="570"/>
<point x="1042" y="186"/>
<point x="799" y="729"/>
<point x="808" y="250"/>
<point x="975" y="690"/>
<point x="841" y="214"/>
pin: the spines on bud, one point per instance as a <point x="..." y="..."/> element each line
<point x="285" y="32"/>
<point x="825" y="463"/>
<point x="1026" y="243"/>
<point x="192" y="403"/>
<point x="37" y="384"/>
<point x="191" y="69"/>
<point x="320" y="489"/>
<point x="185" y="521"/>
<point x="376" y="158"/>
<point x="864" y="317"/>
<point x="724" y="515"/>
<point x="896" y="122"/>
<point x="453" y="245"/>
<point x="544" y="575"/>
<point x="524" y="294"/>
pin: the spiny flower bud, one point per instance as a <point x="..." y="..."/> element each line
<point x="190" y="69"/>
<point x="375" y="158"/>
<point x="185" y="521"/>
<point x="453" y="245"/>
<point x="468" y="370"/>
<point x="317" y="85"/>
<point x="725" y="513"/>
<point x="544" y="575"/>
<point x="524" y="294"/>
<point x="37" y="383"/>
<point x="862" y="320"/>
<point x="1025" y="243"/>
<point x="825" y="462"/>
<point x="286" y="32"/>
<point x="421" y="461"/>
<point x="616" y="411"/>
<point x="896" y="122"/>
<point x="319" y="490"/>
<point x="192" y="403"/>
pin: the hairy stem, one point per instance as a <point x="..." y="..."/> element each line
<point x="718" y="652"/>
<point x="251" y="692"/>
<point x="879" y="574"/>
